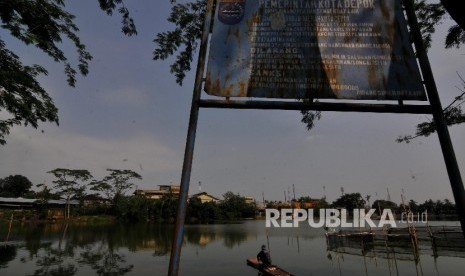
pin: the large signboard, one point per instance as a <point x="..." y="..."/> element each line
<point x="344" y="49"/>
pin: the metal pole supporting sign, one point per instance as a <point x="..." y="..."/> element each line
<point x="443" y="133"/>
<point x="433" y="108"/>
<point x="189" y="150"/>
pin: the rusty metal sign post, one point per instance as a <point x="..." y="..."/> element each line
<point x="331" y="52"/>
<point x="189" y="150"/>
<point x="452" y="166"/>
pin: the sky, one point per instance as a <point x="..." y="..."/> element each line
<point x="129" y="113"/>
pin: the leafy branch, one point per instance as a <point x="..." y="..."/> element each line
<point x="453" y="115"/>
<point x="43" y="24"/>
<point x="184" y="39"/>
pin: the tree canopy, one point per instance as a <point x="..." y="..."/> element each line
<point x="350" y="201"/>
<point x="45" y="24"/>
<point x="70" y="182"/>
<point x="15" y="186"/>
<point x="116" y="184"/>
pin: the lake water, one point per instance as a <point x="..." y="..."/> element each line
<point x="144" y="249"/>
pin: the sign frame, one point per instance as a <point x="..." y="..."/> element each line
<point x="434" y="107"/>
<point x="348" y="50"/>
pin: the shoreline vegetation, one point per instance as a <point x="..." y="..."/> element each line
<point x="232" y="209"/>
<point x="76" y="195"/>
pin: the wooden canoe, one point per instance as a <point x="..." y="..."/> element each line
<point x="271" y="270"/>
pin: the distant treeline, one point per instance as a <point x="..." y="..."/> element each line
<point x="439" y="209"/>
<point x="109" y="198"/>
<point x="138" y="208"/>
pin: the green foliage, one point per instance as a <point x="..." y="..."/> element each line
<point x="381" y="204"/>
<point x="164" y="209"/>
<point x="234" y="207"/>
<point x="309" y="118"/>
<point x="438" y="207"/>
<point x="205" y="213"/>
<point x="429" y="15"/>
<point x="134" y="208"/>
<point x="455" y="9"/>
<point x="455" y="37"/>
<point x="21" y="95"/>
<point x="105" y="262"/>
<point x="15" y="186"/>
<point x="188" y="19"/>
<point x="413" y="206"/>
<point x="69" y="182"/>
<point x="453" y="115"/>
<point x="140" y="208"/>
<point x="46" y="193"/>
<point x="116" y="184"/>
<point x="43" y="24"/>
<point x="128" y="26"/>
<point x="350" y="201"/>
<point x="46" y="25"/>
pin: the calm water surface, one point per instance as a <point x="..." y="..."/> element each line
<point x="143" y="249"/>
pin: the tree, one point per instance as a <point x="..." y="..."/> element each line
<point x="350" y="201"/>
<point x="116" y="184"/>
<point x="234" y="206"/>
<point x="134" y="208"/>
<point x="188" y="19"/>
<point x="381" y="204"/>
<point x="409" y="207"/>
<point x="70" y="183"/>
<point x="452" y="113"/>
<point x="43" y="24"/>
<point x="21" y="94"/>
<point x="454" y="8"/>
<point x="15" y="186"/>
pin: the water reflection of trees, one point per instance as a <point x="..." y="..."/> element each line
<point x="51" y="260"/>
<point x="58" y="249"/>
<point x="7" y="254"/>
<point x="203" y="235"/>
<point x="199" y="236"/>
<point x="232" y="239"/>
<point x="104" y="261"/>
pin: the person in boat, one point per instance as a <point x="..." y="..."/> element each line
<point x="263" y="257"/>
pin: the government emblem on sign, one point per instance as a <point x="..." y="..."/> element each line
<point x="231" y="12"/>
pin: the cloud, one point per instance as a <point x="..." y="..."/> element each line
<point x="124" y="96"/>
<point x="33" y="154"/>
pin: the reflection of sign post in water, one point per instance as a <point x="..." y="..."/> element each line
<point x="312" y="49"/>
<point x="342" y="49"/>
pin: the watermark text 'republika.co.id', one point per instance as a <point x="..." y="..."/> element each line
<point x="339" y="218"/>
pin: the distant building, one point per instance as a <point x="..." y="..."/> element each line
<point x="27" y="203"/>
<point x="249" y="200"/>
<point x="54" y="207"/>
<point x="205" y="197"/>
<point x="308" y="204"/>
<point x="160" y="192"/>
